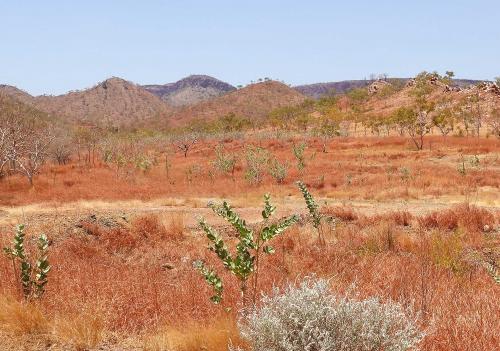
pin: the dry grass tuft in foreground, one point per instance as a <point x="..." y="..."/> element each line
<point x="212" y="335"/>
<point x="84" y="331"/>
<point x="20" y="318"/>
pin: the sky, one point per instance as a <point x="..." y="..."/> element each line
<point x="51" y="47"/>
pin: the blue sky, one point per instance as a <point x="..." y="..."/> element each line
<point x="55" y="46"/>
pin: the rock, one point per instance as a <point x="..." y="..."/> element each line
<point x="410" y="83"/>
<point x="377" y="86"/>
<point x="486" y="228"/>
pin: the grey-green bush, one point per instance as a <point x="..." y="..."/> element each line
<point x="310" y="318"/>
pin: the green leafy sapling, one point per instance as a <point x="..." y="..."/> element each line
<point x="278" y="170"/>
<point x="314" y="212"/>
<point x="298" y="152"/>
<point x="243" y="262"/>
<point x="33" y="277"/>
<point x="225" y="162"/>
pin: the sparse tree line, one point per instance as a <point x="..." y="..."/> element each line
<point x="27" y="139"/>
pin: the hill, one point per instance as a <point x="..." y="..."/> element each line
<point x="254" y="101"/>
<point x="16" y="93"/>
<point x="115" y="102"/>
<point x="318" y="90"/>
<point x="190" y="90"/>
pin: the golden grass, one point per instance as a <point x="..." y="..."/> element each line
<point x="21" y="318"/>
<point x="84" y="331"/>
<point x="212" y="336"/>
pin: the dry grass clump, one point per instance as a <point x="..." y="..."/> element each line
<point x="83" y="331"/>
<point x="21" y="318"/>
<point x="175" y="225"/>
<point x="213" y="335"/>
<point x="344" y="213"/>
<point x="149" y="227"/>
<point x="467" y="216"/>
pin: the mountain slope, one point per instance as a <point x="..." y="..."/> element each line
<point x="190" y="90"/>
<point x="318" y="90"/>
<point x="254" y="101"/>
<point x="114" y="102"/>
<point x="16" y="93"/>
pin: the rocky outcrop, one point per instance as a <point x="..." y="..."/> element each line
<point x="377" y="86"/>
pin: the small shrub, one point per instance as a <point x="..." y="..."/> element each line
<point x="175" y="226"/>
<point x="298" y="152"/>
<point x="314" y="212"/>
<point x="446" y="251"/>
<point x="278" y="170"/>
<point x="256" y="159"/>
<point x="33" y="274"/>
<point x="311" y="318"/>
<point x="402" y="218"/>
<point x="244" y="263"/>
<point x="224" y="161"/>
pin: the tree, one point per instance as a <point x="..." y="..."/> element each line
<point x="444" y="118"/>
<point x="414" y="123"/>
<point x="186" y="141"/>
<point x="33" y="153"/>
<point x="3" y="150"/>
<point x="24" y="138"/>
<point x="448" y="78"/>
<point x="473" y="105"/>
<point x="494" y="122"/>
<point x="463" y="113"/>
<point x="232" y="123"/>
<point x="497" y="81"/>
<point x="280" y="117"/>
<point x="225" y="162"/>
<point x="87" y="138"/>
<point x="417" y="119"/>
<point x="61" y="148"/>
<point x="328" y="127"/>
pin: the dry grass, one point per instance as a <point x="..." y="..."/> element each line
<point x="84" y="331"/>
<point x="21" y="318"/>
<point x="467" y="216"/>
<point x="210" y="336"/>
<point x="354" y="168"/>
<point x="139" y="276"/>
<point x="382" y="255"/>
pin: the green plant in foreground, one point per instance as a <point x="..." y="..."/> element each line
<point x="314" y="212"/>
<point x="33" y="277"/>
<point x="244" y="263"/>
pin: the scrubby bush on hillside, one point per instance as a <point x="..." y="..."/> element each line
<point x="309" y="317"/>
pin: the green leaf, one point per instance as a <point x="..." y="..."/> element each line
<point x="268" y="249"/>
